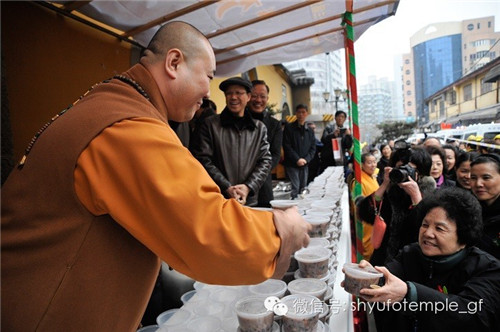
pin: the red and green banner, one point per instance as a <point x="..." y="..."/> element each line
<point x="353" y="114"/>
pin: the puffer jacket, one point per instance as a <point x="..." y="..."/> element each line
<point x="452" y="293"/>
<point x="234" y="152"/>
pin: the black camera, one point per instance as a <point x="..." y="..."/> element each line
<point x="402" y="174"/>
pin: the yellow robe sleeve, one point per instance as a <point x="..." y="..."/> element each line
<point x="138" y="172"/>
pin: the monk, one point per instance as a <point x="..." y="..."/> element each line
<point x="107" y="191"/>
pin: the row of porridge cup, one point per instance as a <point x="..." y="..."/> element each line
<point x="299" y="302"/>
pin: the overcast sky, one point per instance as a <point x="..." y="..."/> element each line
<point x="376" y="48"/>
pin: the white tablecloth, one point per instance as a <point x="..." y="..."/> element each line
<point x="342" y="315"/>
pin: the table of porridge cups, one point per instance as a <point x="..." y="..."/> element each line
<point x="309" y="297"/>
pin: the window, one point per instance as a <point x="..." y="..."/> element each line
<point x="408" y="93"/>
<point x="408" y="82"/>
<point x="470" y="27"/>
<point x="453" y="97"/>
<point x="489" y="24"/>
<point x="468" y="92"/>
<point x="465" y="46"/>
<point x="408" y="103"/>
<point x="486" y="87"/>
<point x="407" y="61"/>
<point x="407" y="72"/>
<point x="479" y="25"/>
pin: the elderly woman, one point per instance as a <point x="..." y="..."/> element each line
<point x="439" y="166"/>
<point x="442" y="283"/>
<point x="485" y="184"/>
<point x="397" y="200"/>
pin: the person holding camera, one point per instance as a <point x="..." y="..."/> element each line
<point x="406" y="182"/>
<point x="332" y="132"/>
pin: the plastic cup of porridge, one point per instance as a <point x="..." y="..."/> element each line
<point x="270" y="287"/>
<point x="313" y="261"/>
<point x="253" y="315"/>
<point x="319" y="242"/>
<point x="302" y="313"/>
<point x="283" y="204"/>
<point x="357" y="278"/>
<point x="319" y="225"/>
<point x="308" y="286"/>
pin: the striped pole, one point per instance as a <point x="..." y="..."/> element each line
<point x="351" y="65"/>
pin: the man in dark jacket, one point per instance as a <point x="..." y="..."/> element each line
<point x="299" y="146"/>
<point x="258" y="110"/>
<point x="233" y="146"/>
<point x="335" y="131"/>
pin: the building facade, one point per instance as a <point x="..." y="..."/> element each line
<point x="326" y="70"/>
<point x="442" y="53"/>
<point x="480" y="43"/>
<point x="375" y="105"/>
<point x="408" y="87"/>
<point x="472" y="99"/>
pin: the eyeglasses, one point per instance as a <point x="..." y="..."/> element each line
<point x="259" y="96"/>
<point x="236" y="93"/>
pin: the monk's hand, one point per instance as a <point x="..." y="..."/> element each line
<point x="293" y="231"/>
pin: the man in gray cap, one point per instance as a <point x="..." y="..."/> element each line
<point x="233" y="147"/>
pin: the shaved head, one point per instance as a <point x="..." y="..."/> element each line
<point x="179" y="35"/>
<point x="182" y="62"/>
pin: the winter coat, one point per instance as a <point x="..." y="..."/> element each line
<point x="460" y="292"/>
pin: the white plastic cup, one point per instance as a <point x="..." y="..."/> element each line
<point x="187" y="296"/>
<point x="313" y="261"/>
<point x="210" y="309"/>
<point x="319" y="242"/>
<point x="283" y="204"/>
<point x="205" y="324"/>
<point x="270" y="287"/>
<point x="302" y="314"/>
<point x="308" y="286"/>
<point x="357" y="278"/>
<point x="325" y="279"/>
<point x="319" y="224"/>
<point x="253" y="315"/>
<point x="173" y="317"/>
<point x="149" y="328"/>
<point x="324" y="203"/>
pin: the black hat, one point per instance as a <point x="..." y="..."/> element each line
<point x="236" y="81"/>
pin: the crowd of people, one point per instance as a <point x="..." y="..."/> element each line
<point x="142" y="169"/>
<point x="106" y="191"/>
<point x="242" y="145"/>
<point x="441" y="208"/>
<point x="430" y="166"/>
